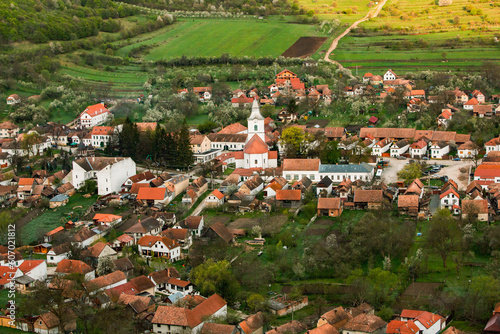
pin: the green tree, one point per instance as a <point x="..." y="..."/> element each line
<point x="443" y="235"/>
<point x="89" y="187"/>
<point x="482" y="295"/>
<point x="330" y="154"/>
<point x="256" y="302"/>
<point x="184" y="152"/>
<point x="128" y="139"/>
<point x="215" y="277"/>
<point x="410" y="172"/>
<point x="293" y="139"/>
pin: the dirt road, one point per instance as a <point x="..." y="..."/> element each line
<point x="371" y="14"/>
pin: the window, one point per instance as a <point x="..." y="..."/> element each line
<point x="255" y="127"/>
<point x="287" y="176"/>
<point x="311" y="176"/>
<point x="255" y="161"/>
<point x="295" y="177"/>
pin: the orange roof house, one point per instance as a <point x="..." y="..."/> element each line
<point x="152" y="194"/>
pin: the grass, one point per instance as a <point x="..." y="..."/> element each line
<point x="324" y="9"/>
<point x="214" y="37"/>
<point x="53" y="218"/>
<point x="198" y="119"/>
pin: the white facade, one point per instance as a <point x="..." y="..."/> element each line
<point x="467" y="153"/>
<point x="418" y="152"/>
<point x="38" y="273"/>
<point x="389" y="75"/>
<point x="438" y="152"/>
<point x="449" y="200"/>
<point x="295" y="175"/>
<point x="52" y="258"/>
<point x="109" y="179"/>
<point x="159" y="249"/>
<point x="381" y="147"/>
<point x="94" y="115"/>
<point x="397" y="151"/>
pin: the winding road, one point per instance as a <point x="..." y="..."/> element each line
<point x="371" y="14"/>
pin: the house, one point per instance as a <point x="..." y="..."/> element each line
<point x="444" y="118"/>
<point x="439" y="149"/>
<point x="469" y="105"/>
<point x="449" y="198"/>
<point x="148" y="226"/>
<point x="478" y="95"/>
<point x="215" y="199"/>
<point x="110" y="173"/>
<point x="417" y="94"/>
<point x="483" y="110"/>
<point x="121" y="241"/>
<point x="408" y="204"/>
<point x="93" y="115"/>
<point x="467" y="150"/>
<point x="109" y="281"/>
<point x="487" y="172"/>
<point x="427" y="322"/>
<point x="418" y="149"/>
<point x="344" y="189"/>
<point x="66" y="267"/>
<point x="337" y="318"/>
<point x="381" y="147"/>
<point x="371" y="199"/>
<point x="324" y="187"/>
<point x="84" y="237"/>
<point x="492" y="145"/>
<point x="288" y="198"/>
<point x="106" y="219"/>
<point x="199" y="143"/>
<point x="296" y="169"/>
<point x="475" y="208"/>
<point x="254" y="324"/>
<point x="218" y="231"/>
<point x="177" y="184"/>
<point x="493" y="325"/>
<point x="98" y="252"/>
<point x="58" y="253"/>
<point x="282" y="305"/>
<point x="153" y="196"/>
<point x="353" y="172"/>
<point x="175" y="285"/>
<point x="292" y="327"/>
<point x="58" y="201"/>
<point x="194" y="224"/>
<point x="141" y="178"/>
<point x="48" y="323"/>
<point x="36" y="269"/>
<point x="252" y="186"/>
<point x="13" y="99"/>
<point x="276" y="184"/>
<point x="159" y="246"/>
<point x="325" y="329"/>
<point x="8" y="130"/>
<point x="331" y="207"/>
<point x="181" y="235"/>
<point x="286" y="117"/>
<point x="400" y="147"/>
<point x="367" y="77"/>
<point x="416" y="187"/>
<point x="390" y="75"/>
<point x="49" y="236"/>
<point x="124" y="265"/>
<point x="25" y="187"/>
<point x="101" y="135"/>
<point x="170" y="319"/>
<point x="161" y="279"/>
<point x="365" y="324"/>
<point x="204" y="93"/>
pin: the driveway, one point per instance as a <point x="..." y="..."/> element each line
<point x="451" y="169"/>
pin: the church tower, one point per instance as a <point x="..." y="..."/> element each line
<point x="256" y="123"/>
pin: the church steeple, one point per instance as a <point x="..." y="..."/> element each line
<point x="256" y="122"/>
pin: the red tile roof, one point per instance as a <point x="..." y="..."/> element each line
<point x="73" y="267"/>
<point x="96" y="110"/>
<point x="54" y="231"/>
<point x="105" y="217"/>
<point x="29" y="265"/>
<point x="325" y="203"/>
<point x="235" y="127"/>
<point x="301" y="164"/>
<point x="471" y="102"/>
<point x="102" y="131"/>
<point x="218" y="194"/>
<point x="449" y="191"/>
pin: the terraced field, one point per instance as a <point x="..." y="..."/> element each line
<point x="346" y="11"/>
<point x="214" y="37"/>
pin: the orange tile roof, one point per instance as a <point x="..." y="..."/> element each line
<point x="54" y="231"/>
<point x="475" y="206"/>
<point x="105" y="217"/>
<point x="96" y="110"/>
<point x="235" y="127"/>
<point x="288" y="195"/>
<point x="328" y="203"/>
<point x="147" y="193"/>
<point x="449" y="191"/>
<point x="29" y="265"/>
<point x="408" y="201"/>
<point x="25" y="181"/>
<point x="106" y="280"/>
<point x="150" y="240"/>
<point x="255" y="146"/>
<point x="102" y="131"/>
<point x="73" y="267"/>
<point x="301" y="164"/>
<point x="6" y="274"/>
<point x="218" y="194"/>
<point x="136" y="186"/>
<point x="471" y="102"/>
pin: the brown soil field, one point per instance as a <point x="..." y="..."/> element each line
<point x="316" y="231"/>
<point x="304" y="47"/>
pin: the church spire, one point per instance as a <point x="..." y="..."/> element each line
<point x="255" y="111"/>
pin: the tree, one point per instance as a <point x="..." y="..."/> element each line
<point x="215" y="277"/>
<point x="128" y="139"/>
<point x="29" y="143"/>
<point x="293" y="139"/>
<point x="256" y="302"/>
<point x="443" y="235"/>
<point x="184" y="152"/>
<point x="481" y="297"/>
<point x="89" y="187"/>
<point x="330" y="154"/>
<point x="410" y="172"/>
<point x="105" y="266"/>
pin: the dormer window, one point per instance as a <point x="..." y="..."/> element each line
<point x="255" y="127"/>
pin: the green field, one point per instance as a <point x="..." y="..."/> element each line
<point x="214" y="37"/>
<point x="53" y="218"/>
<point x="346" y="11"/>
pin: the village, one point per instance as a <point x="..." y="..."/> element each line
<point x="246" y="190"/>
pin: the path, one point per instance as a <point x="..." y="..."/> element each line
<point x="371" y="14"/>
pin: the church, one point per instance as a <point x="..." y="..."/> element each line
<point x="256" y="152"/>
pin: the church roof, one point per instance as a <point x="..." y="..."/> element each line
<point x="256" y="146"/>
<point x="255" y="111"/>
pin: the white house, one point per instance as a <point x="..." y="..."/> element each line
<point x="179" y="286"/>
<point x="390" y="75"/>
<point x="36" y="269"/>
<point x="439" y="149"/>
<point x="106" y="282"/>
<point x="176" y="320"/>
<point x="444" y="118"/>
<point x="449" y="198"/>
<point x="418" y="149"/>
<point x="399" y="147"/>
<point x="110" y="173"/>
<point x="427" y="322"/>
<point x="8" y="130"/>
<point x="479" y="96"/>
<point x="157" y="246"/>
<point x="13" y="99"/>
<point x="467" y="150"/>
<point x="381" y="147"/>
<point x="94" y="115"/>
<point x="352" y="172"/>
<point x="296" y="169"/>
<point x="101" y="135"/>
<point x="58" y="253"/>
<point x="492" y="145"/>
<point x="194" y="224"/>
<point x="469" y="105"/>
<point x="215" y="199"/>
